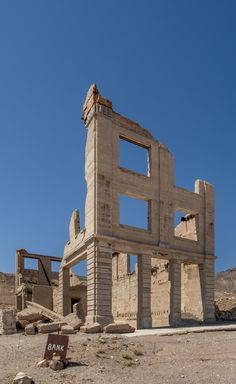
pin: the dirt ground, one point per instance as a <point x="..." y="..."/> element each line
<point x="192" y="358"/>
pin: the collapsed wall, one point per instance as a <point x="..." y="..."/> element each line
<point x="37" y="280"/>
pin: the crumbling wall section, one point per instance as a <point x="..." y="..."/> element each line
<point x="7" y="289"/>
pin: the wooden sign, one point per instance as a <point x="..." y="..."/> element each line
<point x="56" y="344"/>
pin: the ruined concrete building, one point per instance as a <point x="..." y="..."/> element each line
<point x="173" y="276"/>
<point x="37" y="280"/>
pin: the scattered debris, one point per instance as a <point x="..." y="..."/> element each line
<point x="43" y="363"/>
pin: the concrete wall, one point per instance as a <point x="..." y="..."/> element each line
<point x="43" y="295"/>
<point x="124" y="290"/>
<point x="191" y="295"/>
<point x="7" y="289"/>
<point x="160" y="293"/>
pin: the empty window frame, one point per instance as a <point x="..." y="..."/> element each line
<point x="30" y="263"/>
<point x="186" y="225"/>
<point x="134" y="157"/>
<point x="132" y="262"/>
<point x="55" y="266"/>
<point x="134" y="212"/>
<point x="80" y="269"/>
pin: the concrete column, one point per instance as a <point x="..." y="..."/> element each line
<point x="144" y="319"/>
<point x="175" y="292"/>
<point x="99" y="283"/>
<point x="64" y="305"/>
<point x="207" y="288"/>
<point x="166" y="182"/>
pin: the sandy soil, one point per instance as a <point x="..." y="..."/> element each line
<point x="193" y="358"/>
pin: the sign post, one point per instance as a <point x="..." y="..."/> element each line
<point x="56" y="345"/>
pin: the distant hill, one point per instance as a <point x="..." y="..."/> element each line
<point x="225" y="295"/>
<point x="225" y="283"/>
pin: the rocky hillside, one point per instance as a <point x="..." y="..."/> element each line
<point x="226" y="283"/>
<point x="225" y="294"/>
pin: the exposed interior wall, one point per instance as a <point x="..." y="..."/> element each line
<point x="43" y="295"/>
<point x="188" y="227"/>
<point x="41" y="284"/>
<point x="124" y="289"/>
<point x="160" y="293"/>
<point x="191" y="297"/>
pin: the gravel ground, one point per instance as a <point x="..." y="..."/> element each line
<point x="193" y="358"/>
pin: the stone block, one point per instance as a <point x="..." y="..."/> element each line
<point x="67" y="329"/>
<point x="30" y="315"/>
<point x="50" y="327"/>
<point x="74" y="321"/>
<point x="30" y="329"/>
<point x="118" y="327"/>
<point x="7" y="321"/>
<point x="91" y="328"/>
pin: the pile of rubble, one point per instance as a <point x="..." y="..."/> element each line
<point x="38" y="319"/>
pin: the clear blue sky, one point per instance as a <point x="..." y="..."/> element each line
<point x="170" y="65"/>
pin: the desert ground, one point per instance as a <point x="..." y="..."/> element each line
<point x="192" y="358"/>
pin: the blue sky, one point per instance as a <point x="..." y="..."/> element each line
<point x="170" y="65"/>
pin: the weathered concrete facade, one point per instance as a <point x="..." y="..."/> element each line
<point x="106" y="242"/>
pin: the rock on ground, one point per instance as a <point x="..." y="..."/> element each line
<point x="56" y="365"/>
<point x="22" y="378"/>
